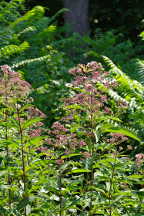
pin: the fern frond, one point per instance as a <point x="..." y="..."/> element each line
<point x="13" y="49"/>
<point x="28" y="61"/>
<point x="63" y="10"/>
<point x="128" y="86"/>
<point x="116" y="96"/>
<point x="140" y="70"/>
<point x="9" y="11"/>
<point x="36" y="13"/>
<point x="46" y="34"/>
<point x="28" y="29"/>
<point x="112" y="66"/>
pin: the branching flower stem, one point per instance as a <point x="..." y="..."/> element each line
<point x="22" y="157"/>
<point x="60" y="194"/>
<point x="92" y="144"/>
<point x="6" y="139"/>
<point x="111" y="185"/>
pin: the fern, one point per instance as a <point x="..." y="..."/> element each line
<point x="34" y="14"/>
<point x="140" y="70"/>
<point x="28" y="29"/>
<point x="131" y="92"/>
<point x="10" y="50"/>
<point x="28" y="61"/>
<point x="9" y="11"/>
<point x="116" y="96"/>
<point x="128" y="85"/>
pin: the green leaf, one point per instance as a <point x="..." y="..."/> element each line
<point x="31" y="122"/>
<point x="70" y="155"/>
<point x="135" y="177"/>
<point x="36" y="141"/>
<point x="3" y="173"/>
<point x="93" y="188"/>
<point x="79" y="171"/>
<point x="123" y="131"/>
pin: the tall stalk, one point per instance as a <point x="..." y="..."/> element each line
<point x="60" y="194"/>
<point x="92" y="146"/>
<point x="6" y="138"/>
<point x="22" y="157"/>
<point x="111" y="185"/>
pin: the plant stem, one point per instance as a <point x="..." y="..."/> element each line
<point x="111" y="186"/>
<point x="7" y="156"/>
<point x="60" y="196"/>
<point x="92" y="146"/>
<point x="22" y="157"/>
<point x="6" y="139"/>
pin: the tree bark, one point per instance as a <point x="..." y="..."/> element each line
<point x="77" y="16"/>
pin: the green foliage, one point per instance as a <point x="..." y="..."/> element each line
<point x="84" y="164"/>
<point x="7" y="51"/>
<point x="27" y="43"/>
<point x="34" y="44"/>
<point x="100" y="172"/>
<point x="90" y="161"/>
<point x="18" y="148"/>
<point x="9" y="11"/>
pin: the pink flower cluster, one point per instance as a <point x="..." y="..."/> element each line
<point x="61" y="137"/>
<point x="14" y="92"/>
<point x="117" y="138"/>
<point x="86" y="78"/>
<point x="35" y="112"/>
<point x="58" y="126"/>
<point x="35" y="132"/>
<point x="36" y="129"/>
<point x="139" y="159"/>
<point x="12" y="84"/>
<point x="89" y="101"/>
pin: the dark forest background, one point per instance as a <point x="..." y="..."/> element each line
<point x="125" y="16"/>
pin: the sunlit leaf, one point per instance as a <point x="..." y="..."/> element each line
<point x="79" y="171"/>
<point x="123" y="131"/>
<point x="70" y="155"/>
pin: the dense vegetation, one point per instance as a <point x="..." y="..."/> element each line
<point x="72" y="123"/>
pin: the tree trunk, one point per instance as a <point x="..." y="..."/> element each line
<point x="77" y="16"/>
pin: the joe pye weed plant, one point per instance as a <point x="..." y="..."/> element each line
<point x="88" y="163"/>
<point x="20" y="130"/>
<point x="99" y="169"/>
